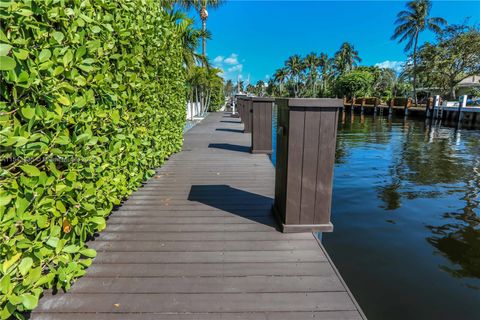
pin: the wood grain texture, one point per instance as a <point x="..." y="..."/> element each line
<point x="294" y="172"/>
<point x="262" y="126"/>
<point x="198" y="242"/>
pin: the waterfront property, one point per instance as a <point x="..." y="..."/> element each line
<point x="198" y="241"/>
<point x="445" y="112"/>
<point x="406" y="215"/>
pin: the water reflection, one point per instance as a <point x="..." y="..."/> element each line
<point x="406" y="212"/>
<point x="438" y="156"/>
<point x="459" y="240"/>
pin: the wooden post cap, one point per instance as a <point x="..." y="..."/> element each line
<point x="313" y="102"/>
<point x="262" y="99"/>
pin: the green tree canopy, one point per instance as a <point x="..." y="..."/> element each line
<point x="410" y="23"/>
<point x="346" y="58"/>
<point x="455" y="56"/>
<point x="355" y="83"/>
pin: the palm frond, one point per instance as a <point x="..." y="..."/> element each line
<point x="401" y="30"/>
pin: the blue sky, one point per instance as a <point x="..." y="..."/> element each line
<point x="254" y="38"/>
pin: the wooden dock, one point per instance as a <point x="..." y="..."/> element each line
<point x="198" y="242"/>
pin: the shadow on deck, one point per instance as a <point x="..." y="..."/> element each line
<point x="226" y="198"/>
<point x="230" y="147"/>
<point x="198" y="242"/>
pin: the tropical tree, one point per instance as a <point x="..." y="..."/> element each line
<point x="240" y="85"/>
<point x="402" y="85"/>
<point x="455" y="56"/>
<point x="204" y="82"/>
<point x="312" y="62"/>
<point x="250" y="88"/>
<point x="215" y="90"/>
<point x="326" y="65"/>
<point x="355" y="83"/>
<point x="201" y="7"/>
<point x="383" y="80"/>
<point x="271" y="89"/>
<point x="346" y="58"/>
<point x="280" y="77"/>
<point x="259" y="88"/>
<point x="229" y="88"/>
<point x="190" y="39"/>
<point x="410" y="23"/>
<point x="294" y="66"/>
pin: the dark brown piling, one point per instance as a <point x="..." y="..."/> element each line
<point x="375" y="105"/>
<point x="390" y="106"/>
<point x="246" y="113"/>
<point x="262" y="125"/>
<point x="306" y="139"/>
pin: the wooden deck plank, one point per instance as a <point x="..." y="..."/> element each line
<point x="187" y="246"/>
<point x="240" y="269"/>
<point x="265" y="219"/>
<point x="245" y="284"/>
<point x="211" y="257"/>
<point x="198" y="241"/>
<point x="200" y="236"/>
<point x="245" y="213"/>
<point x="219" y="227"/>
<point x="322" y="315"/>
<point x="197" y="302"/>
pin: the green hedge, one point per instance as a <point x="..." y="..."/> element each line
<point x="92" y="99"/>
<point x="217" y="99"/>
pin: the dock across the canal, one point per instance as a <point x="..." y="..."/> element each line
<point x="199" y="242"/>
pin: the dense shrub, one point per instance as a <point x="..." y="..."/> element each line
<point x="356" y="83"/>
<point x="92" y="98"/>
<point x="217" y="99"/>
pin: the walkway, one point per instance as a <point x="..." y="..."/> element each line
<point x="198" y="242"/>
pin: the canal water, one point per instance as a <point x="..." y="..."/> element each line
<point x="406" y="213"/>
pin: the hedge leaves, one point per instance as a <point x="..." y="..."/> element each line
<point x="92" y="98"/>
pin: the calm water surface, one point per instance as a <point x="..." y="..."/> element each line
<point x="406" y="211"/>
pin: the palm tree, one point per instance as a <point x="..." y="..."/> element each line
<point x="240" y="85"/>
<point x="325" y="63"/>
<point x="271" y="88"/>
<point x="250" y="88"/>
<point x="312" y="62"/>
<point x="410" y="23"/>
<point x="201" y="7"/>
<point x="385" y="78"/>
<point x="294" y="67"/>
<point x="229" y="88"/>
<point x="259" y="87"/>
<point x="280" y="76"/>
<point x="190" y="39"/>
<point x="214" y="81"/>
<point x="346" y="58"/>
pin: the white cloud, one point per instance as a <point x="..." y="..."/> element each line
<point x="395" y="65"/>
<point x="230" y="66"/>
<point x="238" y="67"/>
<point x="218" y="60"/>
<point x="233" y="59"/>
